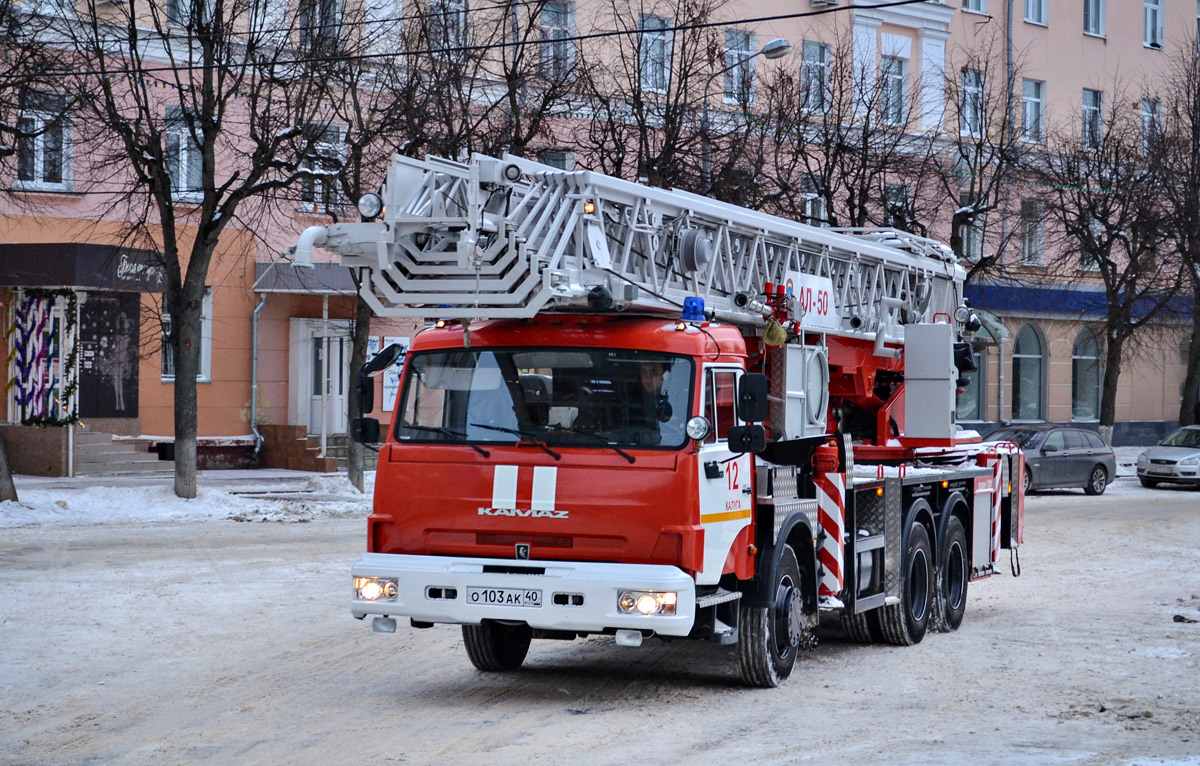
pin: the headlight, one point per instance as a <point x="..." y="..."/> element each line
<point x="647" y="602"/>
<point x="370" y="206"/>
<point x="1143" y="460"/>
<point x="1190" y="461"/>
<point x="698" y="427"/>
<point x="376" y="588"/>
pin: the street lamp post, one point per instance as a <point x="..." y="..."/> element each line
<point x="777" y="48"/>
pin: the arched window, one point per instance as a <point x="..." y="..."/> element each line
<point x="1029" y="366"/>
<point x="1085" y="376"/>
<point x="972" y="403"/>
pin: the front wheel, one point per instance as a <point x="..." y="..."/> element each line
<point x="1097" y="482"/>
<point x="904" y="624"/>
<point x="494" y="647"/>
<point x="955" y="573"/>
<point x="771" y="635"/>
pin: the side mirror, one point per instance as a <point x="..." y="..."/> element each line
<point x="383" y="360"/>
<point x="747" y="438"/>
<point x="364" y="430"/>
<point x="752" y="398"/>
<point x="1048" y="448"/>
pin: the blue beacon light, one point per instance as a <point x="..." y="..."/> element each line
<point x="693" y="310"/>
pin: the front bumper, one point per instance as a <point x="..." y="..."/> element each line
<point x="1187" y="474"/>
<point x="424" y="581"/>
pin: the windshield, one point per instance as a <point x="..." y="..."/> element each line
<point x="1024" y="438"/>
<point x="1184" y="437"/>
<point x="577" y="396"/>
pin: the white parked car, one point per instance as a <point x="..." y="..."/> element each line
<point x="1175" y="459"/>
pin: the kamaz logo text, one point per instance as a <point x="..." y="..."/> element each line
<point x="524" y="513"/>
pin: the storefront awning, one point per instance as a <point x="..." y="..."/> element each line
<point x="81" y="265"/>
<point x="323" y="278"/>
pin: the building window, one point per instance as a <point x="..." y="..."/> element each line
<point x="1093" y="17"/>
<point x="1151" y="123"/>
<point x="654" y="54"/>
<point x="556" y="24"/>
<point x="975" y="6"/>
<point x="972" y="232"/>
<point x="739" y="63"/>
<point x="1093" y="119"/>
<point x="557" y="158"/>
<point x="185" y="163"/>
<point x="44" y="150"/>
<point x="1091" y="230"/>
<point x="1028" y="371"/>
<point x="1085" y="377"/>
<point x="1033" y="98"/>
<point x="319" y="22"/>
<point x="814" y="77"/>
<point x="1031" y="232"/>
<point x="971" y="109"/>
<point x="814" y="208"/>
<point x="894" y="101"/>
<point x="896" y="201"/>
<point x="1035" y="12"/>
<point x="204" y="375"/>
<point x="188" y="14"/>
<point x="319" y="188"/>
<point x="448" y="28"/>
<point x="1152" y="24"/>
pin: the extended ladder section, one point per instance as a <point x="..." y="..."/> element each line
<point x="514" y="238"/>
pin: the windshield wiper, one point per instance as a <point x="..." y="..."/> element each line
<point x="524" y="435"/>
<point x="598" y="439"/>
<point x="447" y="432"/>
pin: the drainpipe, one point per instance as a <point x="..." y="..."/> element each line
<point x="325" y="374"/>
<point x="258" y="439"/>
<point x="1000" y="381"/>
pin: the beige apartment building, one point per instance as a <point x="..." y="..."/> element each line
<point x="82" y="312"/>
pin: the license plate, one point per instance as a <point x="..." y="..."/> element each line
<point x="504" y="597"/>
<point x="1161" y="471"/>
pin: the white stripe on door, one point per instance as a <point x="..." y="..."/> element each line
<point x="545" y="484"/>
<point x="504" y="487"/>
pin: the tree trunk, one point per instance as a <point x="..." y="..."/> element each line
<point x="358" y="355"/>
<point x="187" y="318"/>
<point x="1191" y="381"/>
<point x="8" y="490"/>
<point x="1114" y="346"/>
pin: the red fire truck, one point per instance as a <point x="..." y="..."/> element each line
<point x="641" y="412"/>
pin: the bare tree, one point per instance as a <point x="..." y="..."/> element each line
<point x="1104" y="198"/>
<point x="191" y="114"/>
<point x="1178" y="149"/>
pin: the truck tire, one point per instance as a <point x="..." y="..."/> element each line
<point x="904" y="624"/>
<point x="495" y="647"/>
<point x="770" y="636"/>
<point x="858" y="628"/>
<point x="956" y="573"/>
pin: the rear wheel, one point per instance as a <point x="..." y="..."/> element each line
<point x="771" y="635"/>
<point x="956" y="572"/>
<point x="1097" y="481"/>
<point x="904" y="624"/>
<point x="495" y="647"/>
<point x="1148" y="483"/>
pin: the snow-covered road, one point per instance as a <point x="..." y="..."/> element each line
<point x="174" y="635"/>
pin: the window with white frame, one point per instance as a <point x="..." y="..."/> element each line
<point x="814" y="77"/>
<point x="1029" y="371"/>
<point x="187" y="13"/>
<point x="1093" y="17"/>
<point x="1092" y="129"/>
<point x="1085" y="376"/>
<point x="1091" y="232"/>
<point x="739" y="66"/>
<point x="204" y="374"/>
<point x="319" y="189"/>
<point x="448" y="28"/>
<point x="1035" y="12"/>
<point x="44" y="149"/>
<point x="894" y="84"/>
<point x="816" y="213"/>
<point x="976" y="6"/>
<point x="1151" y="123"/>
<point x="1031" y="232"/>
<point x="1152" y="24"/>
<point x="563" y="159"/>
<point x="1033" y="100"/>
<point x="972" y="232"/>
<point x="971" y="401"/>
<point x="556" y="24"/>
<point x="319" y="22"/>
<point x="970" y="116"/>
<point x="654" y="54"/>
<point x="183" y="158"/>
